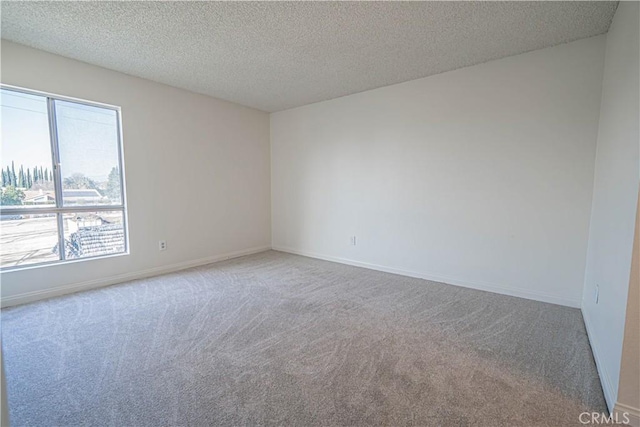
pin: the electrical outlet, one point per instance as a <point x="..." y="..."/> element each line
<point x="352" y="240"/>
<point x="162" y="245"/>
<point x="596" y="295"/>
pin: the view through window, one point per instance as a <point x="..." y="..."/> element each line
<point x="62" y="186"/>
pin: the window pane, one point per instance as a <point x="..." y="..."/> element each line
<point x="28" y="239"/>
<point x="88" y="146"/>
<point x="27" y="175"/>
<point x="89" y="234"/>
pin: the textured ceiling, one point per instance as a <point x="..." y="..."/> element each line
<point x="278" y="55"/>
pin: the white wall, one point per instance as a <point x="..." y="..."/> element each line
<point x="481" y="176"/>
<point x="220" y="147"/>
<point x="614" y="197"/>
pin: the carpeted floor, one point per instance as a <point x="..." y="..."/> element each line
<point x="278" y="339"/>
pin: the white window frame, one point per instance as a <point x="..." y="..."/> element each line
<point x="59" y="208"/>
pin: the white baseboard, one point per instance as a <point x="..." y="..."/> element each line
<point x="633" y="414"/>
<point x="521" y="293"/>
<point x="610" y="393"/>
<point x="120" y="278"/>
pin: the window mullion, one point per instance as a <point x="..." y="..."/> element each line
<point x="57" y="175"/>
<point x="68" y="209"/>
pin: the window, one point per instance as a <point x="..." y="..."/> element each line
<point x="62" y="180"/>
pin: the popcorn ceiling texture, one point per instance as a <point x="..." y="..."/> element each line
<point x="278" y="55"/>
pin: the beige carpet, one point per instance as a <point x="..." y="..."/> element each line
<point x="278" y="339"/>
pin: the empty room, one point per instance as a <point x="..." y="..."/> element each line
<point x="320" y="213"/>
